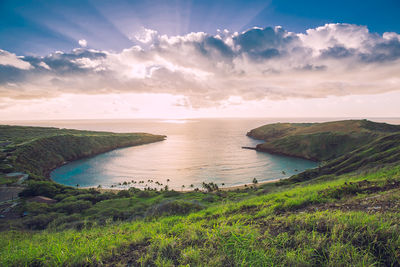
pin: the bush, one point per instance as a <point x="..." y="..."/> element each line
<point x="124" y="194"/>
<point x="105" y="196"/>
<point x="209" y="198"/>
<point x="170" y="193"/>
<point x="89" y="197"/>
<point x="64" y="219"/>
<point x="174" y="207"/>
<point x="115" y="214"/>
<point x="42" y="188"/>
<point x="40" y="221"/>
<point x="73" y="206"/>
<point x="146" y="194"/>
<point x="34" y="208"/>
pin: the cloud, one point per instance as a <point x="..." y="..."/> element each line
<point x="82" y="42"/>
<point x="145" y="35"/>
<point x="208" y="70"/>
<point x="9" y="59"/>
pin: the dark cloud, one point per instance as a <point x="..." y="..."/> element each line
<point x="258" y="40"/>
<point x="211" y="42"/>
<point x="10" y="74"/>
<point x="337" y="52"/>
<point x="388" y="50"/>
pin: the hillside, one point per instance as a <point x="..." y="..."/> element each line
<point x="346" y="220"/>
<point x="319" y="141"/>
<point x="379" y="152"/>
<point x="344" y="213"/>
<point x="38" y="150"/>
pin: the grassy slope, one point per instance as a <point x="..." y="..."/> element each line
<point x="319" y="141"/>
<point x="381" y="151"/>
<point x="38" y="150"/>
<point x="318" y="223"/>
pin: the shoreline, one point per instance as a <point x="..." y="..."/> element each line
<point x="48" y="172"/>
<point x="228" y="188"/>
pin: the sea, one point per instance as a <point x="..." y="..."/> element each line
<point x="195" y="151"/>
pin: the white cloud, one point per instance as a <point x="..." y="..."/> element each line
<point x="9" y="59"/>
<point x="146" y="35"/>
<point x="330" y="35"/>
<point x="44" y="65"/>
<point x="82" y="43"/>
<point x="332" y="60"/>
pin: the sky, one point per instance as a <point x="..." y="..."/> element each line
<point x="183" y="59"/>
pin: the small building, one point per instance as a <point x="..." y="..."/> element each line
<point x="42" y="199"/>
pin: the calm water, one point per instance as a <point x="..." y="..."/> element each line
<point x="195" y="150"/>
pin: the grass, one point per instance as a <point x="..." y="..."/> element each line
<point x="242" y="229"/>
<point x="344" y="213"/>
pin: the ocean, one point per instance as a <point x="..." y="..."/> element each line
<point x="195" y="151"/>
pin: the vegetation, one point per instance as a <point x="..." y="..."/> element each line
<point x="344" y="213"/>
<point x="320" y="141"/>
<point x="351" y="219"/>
<point x="38" y="150"/>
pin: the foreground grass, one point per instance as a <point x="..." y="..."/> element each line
<point x="290" y="225"/>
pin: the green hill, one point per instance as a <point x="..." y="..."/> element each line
<point x="38" y="150"/>
<point x="319" y="141"/>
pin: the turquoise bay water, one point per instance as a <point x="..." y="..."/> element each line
<point x="195" y="150"/>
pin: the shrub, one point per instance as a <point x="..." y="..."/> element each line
<point x="146" y="194"/>
<point x="124" y="194"/>
<point x="73" y="206"/>
<point x="170" y="193"/>
<point x="209" y="198"/>
<point x="42" y="188"/>
<point x="34" y="208"/>
<point x="115" y="214"/>
<point x="40" y="221"/>
<point x="64" y="219"/>
<point x="174" y="207"/>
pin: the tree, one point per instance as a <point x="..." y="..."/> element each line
<point x="210" y="187"/>
<point x="255" y="181"/>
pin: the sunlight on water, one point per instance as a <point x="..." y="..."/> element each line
<point x="207" y="150"/>
<point x="175" y="121"/>
<point x="196" y="150"/>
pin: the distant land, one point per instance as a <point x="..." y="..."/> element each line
<point x="343" y="213"/>
<point x="342" y="146"/>
<point x="38" y="150"/>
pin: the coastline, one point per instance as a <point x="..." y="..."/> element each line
<point x="228" y="188"/>
<point x="48" y="172"/>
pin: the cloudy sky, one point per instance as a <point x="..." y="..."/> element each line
<point x="179" y="59"/>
